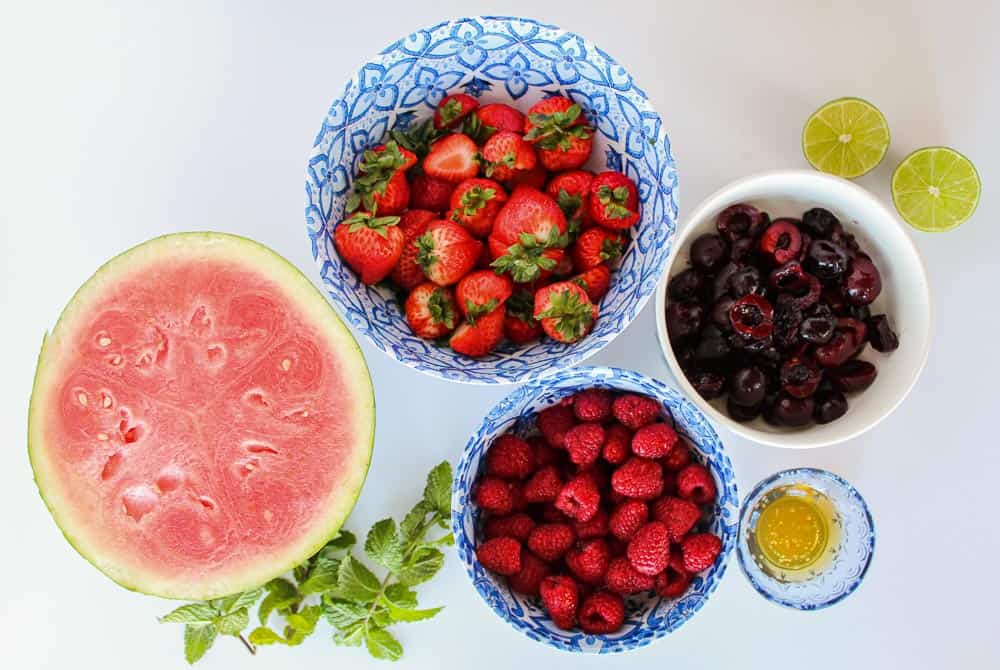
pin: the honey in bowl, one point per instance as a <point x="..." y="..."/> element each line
<point x="794" y="533"/>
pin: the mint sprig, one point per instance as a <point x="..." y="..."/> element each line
<point x="337" y="587"/>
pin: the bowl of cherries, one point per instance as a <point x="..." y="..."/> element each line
<point x="795" y="309"/>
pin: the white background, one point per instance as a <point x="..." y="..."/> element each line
<point x="119" y="123"/>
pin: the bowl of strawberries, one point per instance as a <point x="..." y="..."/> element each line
<point x="491" y="199"/>
<point x="594" y="509"/>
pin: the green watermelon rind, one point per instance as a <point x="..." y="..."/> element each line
<point x="300" y="290"/>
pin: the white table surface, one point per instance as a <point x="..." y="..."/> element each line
<point x="119" y="123"/>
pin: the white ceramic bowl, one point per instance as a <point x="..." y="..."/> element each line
<point x="905" y="296"/>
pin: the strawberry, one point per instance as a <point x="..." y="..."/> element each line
<point x="571" y="191"/>
<point x="584" y="442"/>
<point x="625" y="580"/>
<point x="564" y="268"/>
<point x="596" y="527"/>
<point x="592" y="405"/>
<point x="370" y="245"/>
<point x="379" y="185"/>
<point x="506" y="154"/>
<point x="556" y="111"/>
<point x="488" y="119"/>
<point x="597" y="246"/>
<point x="407" y="274"/>
<point x="431" y="311"/>
<point x="517" y="526"/>
<point x="695" y="483"/>
<point x="409" y="158"/>
<point x="579" y="498"/>
<point x="481" y="292"/>
<point x="617" y="444"/>
<point x="452" y="158"/>
<point x="649" y="549"/>
<point x="565" y="311"/>
<point x="446" y="252"/>
<point x="528" y="236"/>
<point x="638" y="478"/>
<point x="556" y="126"/>
<point x="554" y="422"/>
<point x="533" y="571"/>
<point x="544" y="486"/>
<point x="675" y="579"/>
<point x="496" y="495"/>
<point x="589" y="561"/>
<point x="561" y="598"/>
<point x="614" y="201"/>
<point x="596" y="282"/>
<point x="481" y="337"/>
<point x="654" y="441"/>
<point x="475" y="203"/>
<point x="678" y="457"/>
<point x="700" y="551"/>
<point x="678" y="515"/>
<point x="392" y="197"/>
<point x="535" y="178"/>
<point x="628" y="518"/>
<point x="501" y="555"/>
<point x="550" y="541"/>
<point x="635" y="411"/>
<point x="453" y="109"/>
<point x="520" y="326"/>
<point x="430" y="193"/>
<point x="602" y="613"/>
<point x="510" y="457"/>
<point x="569" y="153"/>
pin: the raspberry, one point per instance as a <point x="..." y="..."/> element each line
<point x="624" y="579"/>
<point x="695" y="483"/>
<point x="579" y="499"/>
<point x="617" y="444"/>
<point x="583" y="443"/>
<point x="551" y="540"/>
<point x="544" y="454"/>
<point x="678" y="457"/>
<point x="627" y="518"/>
<point x="561" y="598"/>
<point x="510" y="457"/>
<point x="638" y="478"/>
<point x="592" y="405"/>
<point x="517" y="526"/>
<point x="496" y="495"/>
<point x="544" y="486"/>
<point x="649" y="550"/>
<point x="602" y="613"/>
<point x="589" y="561"/>
<point x="635" y="411"/>
<point x="597" y="474"/>
<point x="679" y="516"/>
<point x="501" y="555"/>
<point x="550" y="514"/>
<point x="596" y="527"/>
<point x="700" y="551"/>
<point x="533" y="571"/>
<point x="674" y="580"/>
<point x="554" y="422"/>
<point x="654" y="441"/>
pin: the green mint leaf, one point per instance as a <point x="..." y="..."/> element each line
<point x="281" y="594"/>
<point x="345" y="540"/>
<point x="232" y="623"/>
<point x="412" y="616"/>
<point x="237" y="601"/>
<point x="447" y="540"/>
<point x="198" y="639"/>
<point x="191" y="613"/>
<point x="304" y="621"/>
<point x="352" y="636"/>
<point x="342" y="613"/>
<point x="264" y="636"/>
<point x="437" y="493"/>
<point x="399" y="596"/>
<point x="380" y="618"/>
<point x="423" y="564"/>
<point x="356" y="582"/>
<point x="413" y="521"/>
<point x="383" y="545"/>
<point x="382" y="645"/>
<point x="323" y="576"/>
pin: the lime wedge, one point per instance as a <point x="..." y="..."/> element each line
<point x="935" y="189"/>
<point x="846" y="137"/>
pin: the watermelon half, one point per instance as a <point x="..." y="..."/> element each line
<point x="201" y="420"/>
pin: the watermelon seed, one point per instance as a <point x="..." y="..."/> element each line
<point x="286" y="364"/>
<point x="216" y="353"/>
<point x="103" y="437"/>
<point x="111" y="466"/>
<point x="106" y="400"/>
<point x="256" y="398"/>
<point x="81" y="398"/>
<point x="207" y="502"/>
<point x="129" y="435"/>
<point x="115" y="360"/>
<point x="103" y="341"/>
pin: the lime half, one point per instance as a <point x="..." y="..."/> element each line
<point x="846" y="137"/>
<point x="935" y="189"/>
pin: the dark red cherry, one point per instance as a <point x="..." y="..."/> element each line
<point x="789" y="411"/>
<point x="752" y="316"/>
<point x="741" y="248"/>
<point x="819" y="222"/>
<point x="782" y="241"/>
<point x="741" y="413"/>
<point x="720" y="284"/>
<point x="740" y="220"/>
<point x="827" y="260"/>
<point x="712" y="346"/>
<point x="818" y="328"/>
<point x="685" y="285"/>
<point x="745" y="281"/>
<point x="881" y="334"/>
<point x="684" y="320"/>
<point x="847" y="340"/>
<point x="787" y="321"/>
<point x="709" y="385"/>
<point x="789" y="277"/>
<point x="709" y="252"/>
<point x="830" y="406"/>
<point x="720" y="314"/>
<point x="863" y="282"/>
<point x="853" y="376"/>
<point x="800" y="376"/>
<point x="747" y="387"/>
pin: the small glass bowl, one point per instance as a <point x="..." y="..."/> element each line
<point x="850" y="557"/>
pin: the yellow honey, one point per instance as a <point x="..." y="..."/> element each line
<point x="795" y="533"/>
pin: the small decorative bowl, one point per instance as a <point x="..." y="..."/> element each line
<point x="497" y="59"/>
<point x="850" y="558"/>
<point x="905" y="296"/>
<point x="648" y="617"/>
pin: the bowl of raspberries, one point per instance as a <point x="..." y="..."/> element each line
<point x="795" y="310"/>
<point x="491" y="199"/>
<point x="594" y="509"/>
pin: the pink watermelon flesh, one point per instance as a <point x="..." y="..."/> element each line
<point x="204" y="424"/>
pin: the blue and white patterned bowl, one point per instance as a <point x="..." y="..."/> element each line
<point x="647" y="617"/>
<point x="497" y="59"/>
